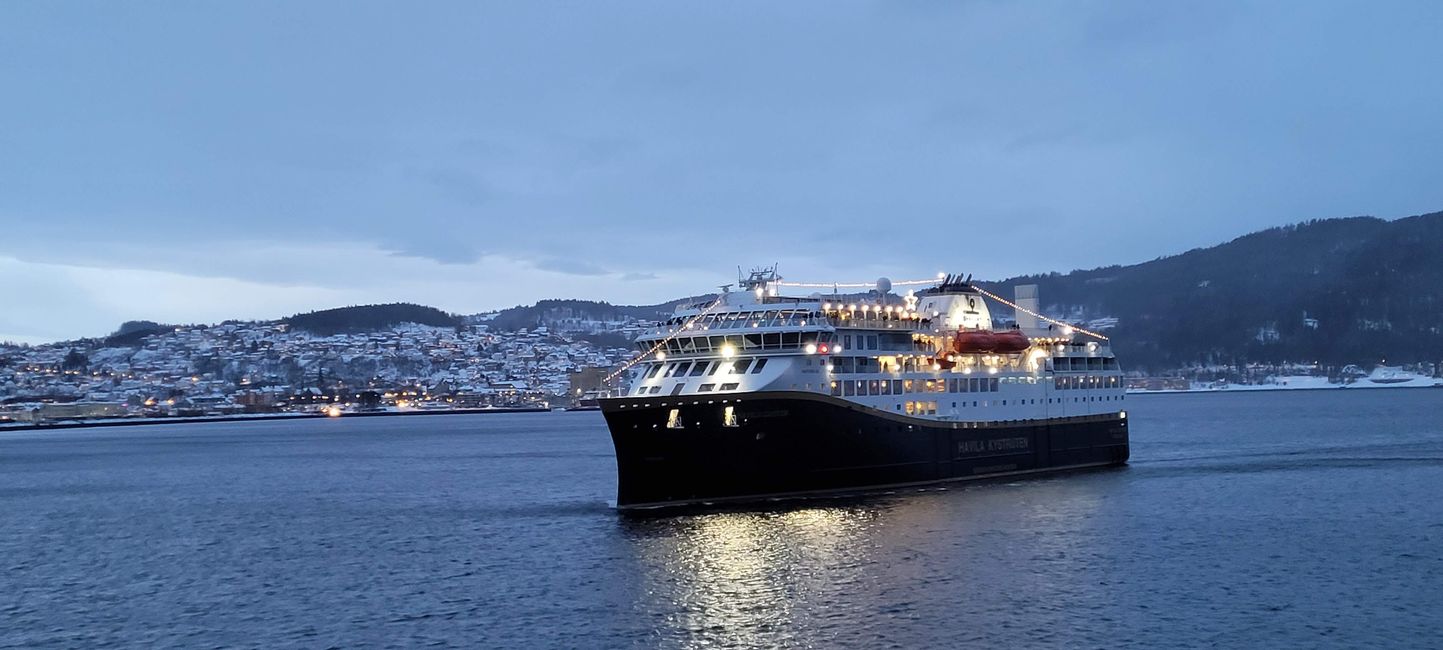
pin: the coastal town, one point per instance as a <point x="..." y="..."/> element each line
<point x="562" y="357"/>
<point x="270" y="367"/>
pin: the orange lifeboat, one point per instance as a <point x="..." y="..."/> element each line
<point x="974" y="341"/>
<point x="1011" y="342"/>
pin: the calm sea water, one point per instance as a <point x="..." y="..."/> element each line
<point x="1309" y="519"/>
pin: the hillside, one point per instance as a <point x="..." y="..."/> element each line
<point x="369" y="318"/>
<point x="548" y="312"/>
<point x="1336" y="291"/>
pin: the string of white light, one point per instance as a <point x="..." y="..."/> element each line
<point x="662" y="343"/>
<point x="1025" y="310"/>
<point x="855" y="285"/>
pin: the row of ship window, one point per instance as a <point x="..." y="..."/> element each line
<point x="892" y="341"/>
<point x="768" y="318"/>
<point x="743" y="342"/>
<point x="866" y="387"/>
<point x="1084" y="383"/>
<point x="676" y="390"/>
<point x="707" y="368"/>
<point x="930" y="408"/>
<point x="1082" y="364"/>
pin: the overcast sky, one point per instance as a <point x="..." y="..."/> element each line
<point x="197" y="161"/>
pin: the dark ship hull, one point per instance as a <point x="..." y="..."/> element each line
<point x="786" y="444"/>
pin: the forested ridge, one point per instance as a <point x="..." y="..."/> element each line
<point x="1353" y="290"/>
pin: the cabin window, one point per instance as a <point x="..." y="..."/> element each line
<point x="729" y="416"/>
<point x="761" y="363"/>
<point x="896" y="386"/>
<point x="871" y="341"/>
<point x="654" y="390"/>
<point x="836" y="389"/>
<point x="673" y="419"/>
<point x="741" y="365"/>
<point x="911" y="408"/>
<point x="706" y="388"/>
<point x="848" y="389"/>
<point x="699" y="368"/>
<point x="654" y="369"/>
<point x="676" y="390"/>
<point x="729" y="386"/>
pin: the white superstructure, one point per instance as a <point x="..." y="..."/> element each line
<point x="915" y="356"/>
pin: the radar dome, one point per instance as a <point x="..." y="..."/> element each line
<point x="883" y="285"/>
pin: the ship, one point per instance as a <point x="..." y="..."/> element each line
<point x="756" y="395"/>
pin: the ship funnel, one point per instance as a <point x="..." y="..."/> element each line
<point x="1025" y="295"/>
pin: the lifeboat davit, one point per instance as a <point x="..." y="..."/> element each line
<point x="1010" y="342"/>
<point x="974" y="341"/>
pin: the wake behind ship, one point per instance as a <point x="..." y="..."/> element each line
<point x="757" y="395"/>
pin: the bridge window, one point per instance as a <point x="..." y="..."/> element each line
<point x="761" y="363"/>
<point x="699" y="368"/>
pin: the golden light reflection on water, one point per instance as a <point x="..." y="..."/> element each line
<point x="744" y="579"/>
<point x="798" y="576"/>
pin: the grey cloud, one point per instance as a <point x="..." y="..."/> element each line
<point x="570" y="266"/>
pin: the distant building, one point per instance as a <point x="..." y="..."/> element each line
<point x="584" y="380"/>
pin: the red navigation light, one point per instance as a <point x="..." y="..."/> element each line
<point x="822" y="348"/>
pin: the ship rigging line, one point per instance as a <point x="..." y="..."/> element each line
<point x="662" y="343"/>
<point x="1025" y="310"/>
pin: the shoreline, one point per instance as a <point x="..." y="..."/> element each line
<point x="1238" y="390"/>
<point x="264" y="417"/>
